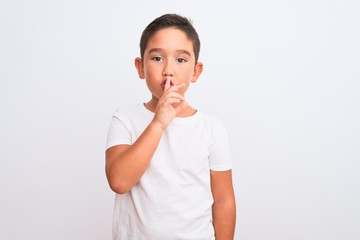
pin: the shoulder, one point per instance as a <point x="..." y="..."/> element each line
<point x="212" y="121"/>
<point x="214" y="127"/>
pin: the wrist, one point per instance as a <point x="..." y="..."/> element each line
<point x="157" y="126"/>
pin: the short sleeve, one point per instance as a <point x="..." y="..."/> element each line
<point x="119" y="130"/>
<point x="219" y="157"/>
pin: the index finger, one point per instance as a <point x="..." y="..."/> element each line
<point x="167" y="84"/>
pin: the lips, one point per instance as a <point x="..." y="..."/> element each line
<point x="164" y="82"/>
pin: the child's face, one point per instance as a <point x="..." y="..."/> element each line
<point x="169" y="55"/>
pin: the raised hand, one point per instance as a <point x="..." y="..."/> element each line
<point x="170" y="103"/>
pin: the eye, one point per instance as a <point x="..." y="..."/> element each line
<point x="181" y="60"/>
<point x="157" y="58"/>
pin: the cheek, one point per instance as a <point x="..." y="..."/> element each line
<point x="184" y="89"/>
<point x="191" y="75"/>
<point x="152" y="71"/>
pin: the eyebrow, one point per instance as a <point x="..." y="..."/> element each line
<point x="178" y="51"/>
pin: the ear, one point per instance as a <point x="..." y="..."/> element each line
<point x="197" y="71"/>
<point x="140" y="67"/>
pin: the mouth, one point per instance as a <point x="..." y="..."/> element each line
<point x="164" y="82"/>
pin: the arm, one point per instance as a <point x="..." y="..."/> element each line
<point x="224" y="209"/>
<point x="125" y="164"/>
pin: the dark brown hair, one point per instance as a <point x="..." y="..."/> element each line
<point x="173" y="21"/>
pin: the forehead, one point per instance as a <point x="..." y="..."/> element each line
<point x="170" y="39"/>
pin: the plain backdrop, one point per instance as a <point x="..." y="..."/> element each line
<point x="283" y="76"/>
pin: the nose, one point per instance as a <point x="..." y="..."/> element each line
<point x="168" y="70"/>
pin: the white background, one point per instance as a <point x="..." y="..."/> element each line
<point x="283" y="76"/>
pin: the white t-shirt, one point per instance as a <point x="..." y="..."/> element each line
<point x="173" y="198"/>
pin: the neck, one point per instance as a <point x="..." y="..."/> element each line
<point x="186" y="112"/>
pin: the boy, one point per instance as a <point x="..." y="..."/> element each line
<point x="169" y="163"/>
